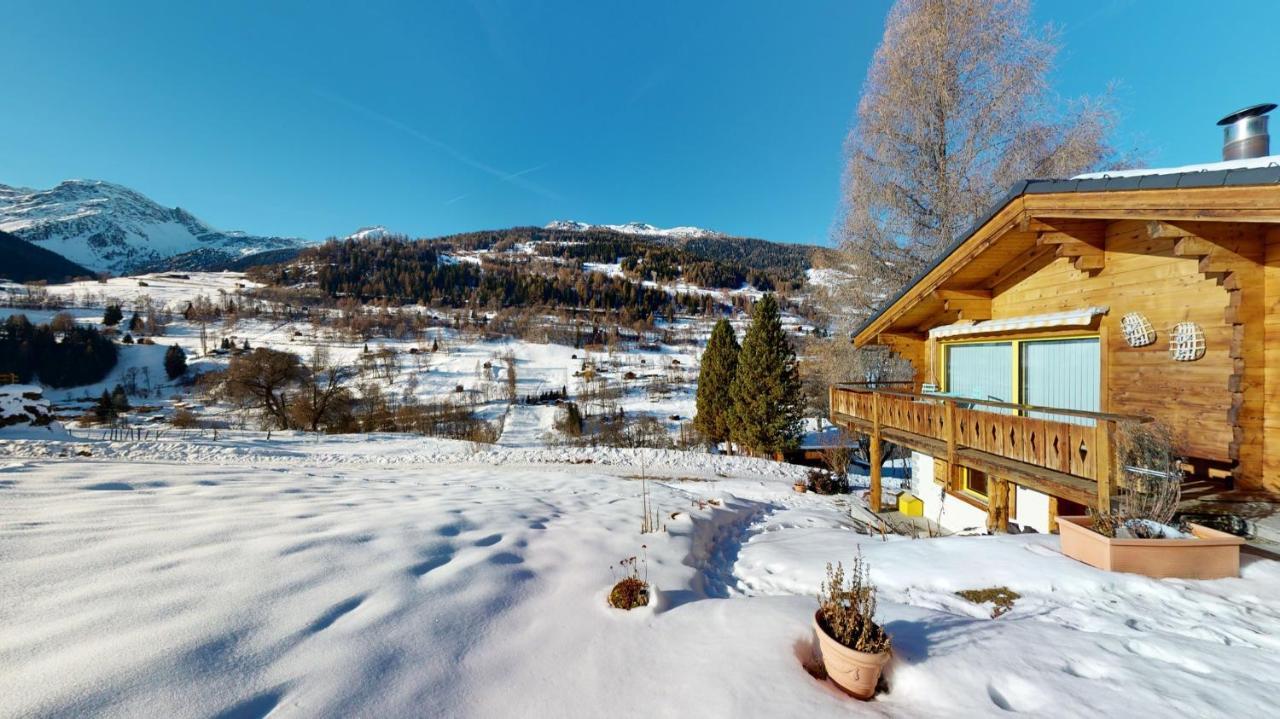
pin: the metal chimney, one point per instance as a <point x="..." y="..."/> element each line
<point x="1245" y="133"/>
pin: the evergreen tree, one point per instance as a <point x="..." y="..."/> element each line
<point x="112" y="315"/>
<point x="135" y="323"/>
<point x="719" y="363"/>
<point x="767" y="401"/>
<point x="119" y="400"/>
<point x="175" y="362"/>
<point x="105" y="409"/>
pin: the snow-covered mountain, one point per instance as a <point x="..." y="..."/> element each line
<point x="374" y="232"/>
<point x="635" y="228"/>
<point x="108" y="227"/>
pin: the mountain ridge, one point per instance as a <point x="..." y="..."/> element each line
<point x="635" y="228"/>
<point x="108" y="227"/>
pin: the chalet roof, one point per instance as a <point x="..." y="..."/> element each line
<point x="1232" y="175"/>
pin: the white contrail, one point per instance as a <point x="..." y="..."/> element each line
<point x="515" y="178"/>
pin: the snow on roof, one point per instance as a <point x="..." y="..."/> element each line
<point x="1268" y="161"/>
<point x="1070" y="318"/>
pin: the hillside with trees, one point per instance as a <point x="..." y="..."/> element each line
<point x="402" y="271"/>
<point x="60" y="354"/>
<point x="25" y="262"/>
<point x="714" y="262"/>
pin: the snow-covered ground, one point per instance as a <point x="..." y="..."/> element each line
<point x="662" y="388"/>
<point x="395" y="576"/>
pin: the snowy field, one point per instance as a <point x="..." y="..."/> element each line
<point x="395" y="576"/>
<point x="427" y="376"/>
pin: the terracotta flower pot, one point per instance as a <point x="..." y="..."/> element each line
<point x="853" y="671"/>
<point x="1211" y="555"/>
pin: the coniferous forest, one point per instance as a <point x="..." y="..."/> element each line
<point x="76" y="355"/>
<point x="424" y="271"/>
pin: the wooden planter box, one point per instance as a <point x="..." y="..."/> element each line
<point x="1212" y="555"/>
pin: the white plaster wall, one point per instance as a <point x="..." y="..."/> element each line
<point x="950" y="513"/>
<point x="1033" y="510"/>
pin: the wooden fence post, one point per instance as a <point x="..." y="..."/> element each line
<point x="874" y="458"/>
<point x="949" y="480"/>
<point x="1107" y="462"/>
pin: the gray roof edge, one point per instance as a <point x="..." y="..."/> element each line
<point x="1214" y="178"/>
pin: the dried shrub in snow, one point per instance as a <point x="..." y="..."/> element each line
<point x="1000" y="598"/>
<point x="632" y="590"/>
<point x="1150" y="486"/>
<point x="848" y="608"/>
<point x="822" y="481"/>
<point x="184" y="418"/>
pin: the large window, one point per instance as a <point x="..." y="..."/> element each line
<point x="1062" y="373"/>
<point x="981" y="370"/>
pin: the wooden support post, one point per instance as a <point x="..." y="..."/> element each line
<point x="875" y="459"/>
<point x="1106" y="463"/>
<point x="997" y="505"/>
<point x="951" y="445"/>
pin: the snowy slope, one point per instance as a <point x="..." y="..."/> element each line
<point x="111" y="228"/>
<point x="182" y="587"/>
<point x="635" y="228"/>
<point x="373" y="232"/>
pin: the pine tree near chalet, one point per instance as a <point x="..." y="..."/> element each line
<point x="719" y="363"/>
<point x="767" y="404"/>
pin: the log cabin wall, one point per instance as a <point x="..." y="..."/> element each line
<point x="1271" y="381"/>
<point x="1142" y="274"/>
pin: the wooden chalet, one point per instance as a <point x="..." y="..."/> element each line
<point x="1075" y="305"/>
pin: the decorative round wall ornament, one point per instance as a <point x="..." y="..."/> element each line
<point x="1186" y="344"/>
<point x="1137" y="330"/>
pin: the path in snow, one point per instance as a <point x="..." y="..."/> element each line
<point x="527" y="425"/>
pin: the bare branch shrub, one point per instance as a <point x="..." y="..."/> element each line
<point x="848" y="608"/>
<point x="1150" y="486"/>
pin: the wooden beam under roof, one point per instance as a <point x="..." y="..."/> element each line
<point x="1015" y="271"/>
<point x="969" y="309"/>
<point x="963" y="294"/>
<point x="1157" y="230"/>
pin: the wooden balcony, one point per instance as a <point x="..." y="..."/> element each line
<point x="1061" y="452"/>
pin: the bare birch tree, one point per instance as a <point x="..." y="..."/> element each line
<point x="955" y="109"/>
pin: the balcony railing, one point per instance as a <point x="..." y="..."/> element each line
<point x="1068" y="453"/>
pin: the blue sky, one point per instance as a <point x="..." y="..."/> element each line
<point x="438" y="117"/>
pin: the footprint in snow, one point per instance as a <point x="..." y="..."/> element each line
<point x="488" y="541"/>
<point x="1169" y="656"/>
<point x="1088" y="669"/>
<point x="111" y="487"/>
<point x="256" y="707"/>
<point x="334" y="613"/>
<point x="432" y="562"/>
<point x="1015" y="694"/>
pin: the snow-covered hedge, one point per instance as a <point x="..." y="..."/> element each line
<point x="23" y="404"/>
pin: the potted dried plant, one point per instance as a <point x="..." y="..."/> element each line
<point x="1138" y="533"/>
<point x="854" y="647"/>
